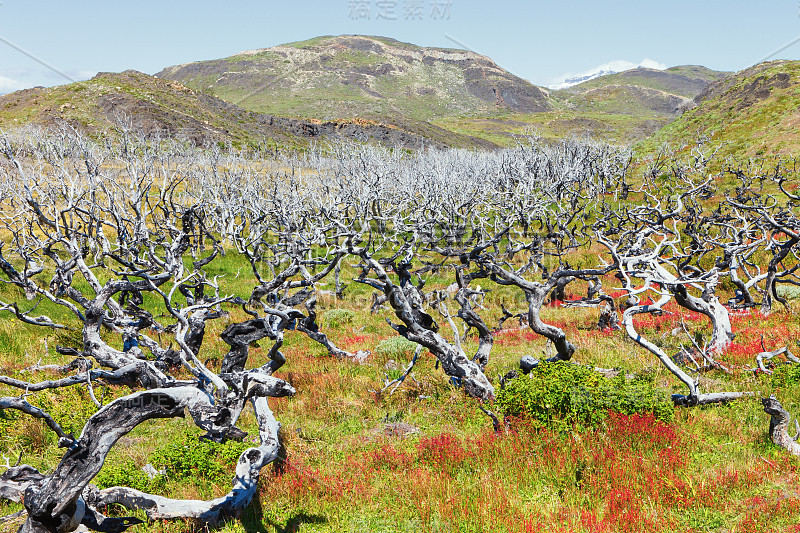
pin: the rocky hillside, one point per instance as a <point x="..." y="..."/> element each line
<point x="173" y="109"/>
<point x="686" y="81"/>
<point x="372" y="89"/>
<point x="367" y="77"/>
<point x="754" y="112"/>
<point x="658" y="95"/>
<point x="625" y="107"/>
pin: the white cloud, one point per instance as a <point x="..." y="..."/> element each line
<point x="9" y="85"/>
<point x="79" y="75"/>
<point x="618" y="65"/>
<point x="15" y="80"/>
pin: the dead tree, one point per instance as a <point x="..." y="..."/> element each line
<point x="474" y="320"/>
<point x="639" y="261"/>
<point x="779" y="425"/>
<point x="646" y="242"/>
<point x="418" y="326"/>
<point x="609" y="318"/>
<point x="772" y="212"/>
<point x="75" y="221"/>
<point x="536" y="292"/>
<point x="694" y="397"/>
<point x="70" y="215"/>
<point x="761" y="357"/>
<point x="64" y="499"/>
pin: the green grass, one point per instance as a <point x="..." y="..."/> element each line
<point x="740" y="123"/>
<point x="706" y="471"/>
<point x="426" y="458"/>
<point x="558" y="124"/>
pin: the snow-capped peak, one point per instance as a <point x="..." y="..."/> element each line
<point x="612" y="67"/>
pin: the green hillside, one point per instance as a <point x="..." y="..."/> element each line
<point x="357" y="76"/>
<point x="754" y="112"/>
<point x="377" y="89"/>
<point x="154" y="105"/>
<point x="171" y="109"/>
<point x="625" y="107"/>
<point x="460" y="91"/>
<point x="686" y="80"/>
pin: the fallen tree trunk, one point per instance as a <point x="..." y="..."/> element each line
<point x="779" y="425"/>
<point x="680" y="400"/>
<point x="244" y="488"/>
<point x="55" y="503"/>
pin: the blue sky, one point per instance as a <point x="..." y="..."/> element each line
<point x="538" y="40"/>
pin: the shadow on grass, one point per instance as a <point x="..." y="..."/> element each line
<point x="253" y="521"/>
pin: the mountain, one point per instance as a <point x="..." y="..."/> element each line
<point x="662" y="94"/>
<point x="753" y="112"/>
<point x="649" y="98"/>
<point x="575" y="80"/>
<point x="686" y="80"/>
<point x="372" y="89"/>
<point x="624" y="107"/>
<point x="361" y="76"/>
<point x="172" y="109"/>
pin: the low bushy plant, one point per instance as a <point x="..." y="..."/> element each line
<point x="562" y="395"/>
<point x="789" y="292"/>
<point x="786" y="375"/>
<point x="188" y="458"/>
<point x="191" y="458"/>
<point x="338" y="317"/>
<point x="128" y="474"/>
<point x="396" y="347"/>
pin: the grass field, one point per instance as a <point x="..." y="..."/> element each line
<point x="426" y="458"/>
<point x="584" y="454"/>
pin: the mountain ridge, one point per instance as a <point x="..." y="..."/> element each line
<point x="753" y="112"/>
<point x="378" y="89"/>
<point x="624" y="107"/>
<point x="335" y="77"/>
<point x="168" y="108"/>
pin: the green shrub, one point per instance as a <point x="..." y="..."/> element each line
<point x="186" y="459"/>
<point x="785" y="375"/>
<point x="563" y="395"/>
<point x="192" y="457"/>
<point x="396" y="347"/>
<point x="789" y="292"/>
<point x="338" y="317"/>
<point x="127" y="474"/>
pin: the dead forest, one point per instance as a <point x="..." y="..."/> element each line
<point x="116" y="246"/>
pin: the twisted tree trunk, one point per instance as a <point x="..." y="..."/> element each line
<point x="779" y="425"/>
